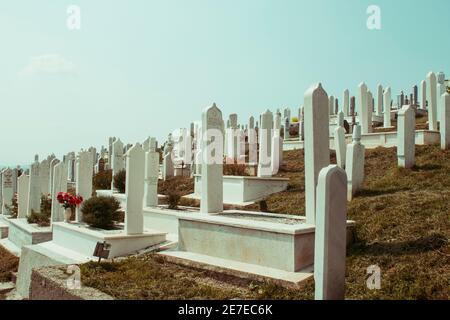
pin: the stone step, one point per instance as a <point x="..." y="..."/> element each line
<point x="6" y="287"/>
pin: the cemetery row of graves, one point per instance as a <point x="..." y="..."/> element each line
<point x="284" y="207"/>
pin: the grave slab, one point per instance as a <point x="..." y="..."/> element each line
<point x="22" y="233"/>
<point x="243" y="190"/>
<point x="82" y="239"/>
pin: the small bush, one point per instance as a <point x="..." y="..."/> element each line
<point x="120" y="181"/>
<point x="101" y="212"/>
<point x="235" y="170"/>
<point x="13" y="210"/>
<point x="42" y="218"/>
<point x="173" y="199"/>
<point x="102" y="180"/>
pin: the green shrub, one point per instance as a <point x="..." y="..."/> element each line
<point x="120" y="180"/>
<point x="101" y="212"/>
<point x="42" y="218"/>
<point x="13" y="209"/>
<point x="173" y="199"/>
<point x="102" y="180"/>
<point x="235" y="170"/>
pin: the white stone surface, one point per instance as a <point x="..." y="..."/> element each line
<point x="117" y="159"/>
<point x="22" y="195"/>
<point x="317" y="151"/>
<point x="406" y="137"/>
<point x="379" y="108"/>
<point x="387" y="107"/>
<point x="265" y="144"/>
<point x="244" y="190"/>
<point x="445" y="121"/>
<point x="34" y="192"/>
<point x="346" y="107"/>
<point x="134" y="219"/>
<point x="151" y="179"/>
<point x="432" y="103"/>
<point x="7" y="192"/>
<point x="84" y="175"/>
<point x="330" y="236"/>
<point x="212" y="161"/>
<point x="363" y="109"/>
<point x="423" y="86"/>
<point x="59" y="178"/>
<point x="355" y="164"/>
<point x="340" y="146"/>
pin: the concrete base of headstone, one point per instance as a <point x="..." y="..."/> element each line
<point x="375" y="140"/>
<point x="273" y="241"/>
<point x="178" y="171"/>
<point x="40" y="255"/>
<point x="82" y="239"/>
<point x="254" y="243"/>
<point x="21" y="233"/>
<point x="3" y="230"/>
<point x="238" y="190"/>
<point x="166" y="220"/>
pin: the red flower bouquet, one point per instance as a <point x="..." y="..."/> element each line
<point x="69" y="201"/>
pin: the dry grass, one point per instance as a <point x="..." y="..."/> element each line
<point x="403" y="226"/>
<point x="403" y="223"/>
<point x="8" y="265"/>
<point x="152" y="278"/>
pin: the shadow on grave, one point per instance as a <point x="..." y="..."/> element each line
<point x="429" y="243"/>
<point x="379" y="192"/>
<point x="426" y="167"/>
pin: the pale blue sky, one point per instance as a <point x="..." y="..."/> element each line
<point x="142" y="68"/>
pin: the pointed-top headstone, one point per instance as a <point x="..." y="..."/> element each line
<point x="317" y="152"/>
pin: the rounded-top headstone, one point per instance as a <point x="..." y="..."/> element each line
<point x="357" y="133"/>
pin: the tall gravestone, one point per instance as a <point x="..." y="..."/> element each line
<point x="287" y="125"/>
<point x="346" y="100"/>
<point x="331" y="105"/>
<point x="7" y="191"/>
<point x="432" y="103"/>
<point x="212" y="161"/>
<point x="316" y="145"/>
<point x="83" y="179"/>
<point x="330" y="234"/>
<point x="406" y="137"/>
<point x="363" y="108"/>
<point x="44" y="176"/>
<point x="53" y="163"/>
<point x="59" y="185"/>
<point x="117" y="161"/>
<point x="339" y="141"/>
<point x="23" y="185"/>
<point x="445" y="121"/>
<point x="265" y="144"/>
<point x="151" y="178"/>
<point x="387" y="108"/>
<point x="134" y="216"/>
<point x="34" y="191"/>
<point x="423" y="86"/>
<point x="379" y="109"/>
<point x="252" y="143"/>
<point x="355" y="164"/>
